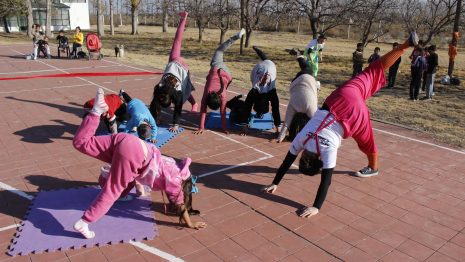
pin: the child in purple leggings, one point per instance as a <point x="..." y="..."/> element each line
<point x="131" y="159"/>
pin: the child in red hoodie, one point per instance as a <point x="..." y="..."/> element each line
<point x="218" y="80"/>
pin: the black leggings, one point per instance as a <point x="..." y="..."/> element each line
<point x="304" y="68"/>
<point x="126" y="97"/>
<point x="254" y="97"/>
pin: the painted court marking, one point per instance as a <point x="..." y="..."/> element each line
<point x="52" y="70"/>
<point x="140" y="245"/>
<point x="41" y="89"/>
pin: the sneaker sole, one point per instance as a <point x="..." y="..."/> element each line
<point x="358" y="174"/>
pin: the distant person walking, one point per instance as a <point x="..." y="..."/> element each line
<point x="357" y="59"/>
<point x="314" y="53"/>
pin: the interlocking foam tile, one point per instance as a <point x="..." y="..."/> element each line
<point x="48" y="226"/>
<point x="214" y="122"/>
<point x="163" y="137"/>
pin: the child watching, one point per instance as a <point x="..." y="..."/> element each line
<point x="418" y="67"/>
<point x="431" y="71"/>
<point x="375" y="56"/>
<point x="393" y="69"/>
<point x="357" y="59"/>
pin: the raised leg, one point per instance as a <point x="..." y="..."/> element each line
<point x="177" y="42"/>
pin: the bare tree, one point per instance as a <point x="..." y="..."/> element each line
<point x="333" y="12"/>
<point x="223" y="11"/>
<point x="430" y="17"/>
<point x="279" y="9"/>
<point x="134" y="15"/>
<point x="372" y="13"/>
<point x="165" y="10"/>
<point x="100" y="15"/>
<point x="48" y="19"/>
<point x="30" y="18"/>
<point x="12" y="7"/>
<point x="112" y="22"/>
<point x="198" y="11"/>
<point x="253" y="12"/>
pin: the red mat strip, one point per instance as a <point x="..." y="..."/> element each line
<point x="83" y="75"/>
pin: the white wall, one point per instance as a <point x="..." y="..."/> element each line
<point x="79" y="15"/>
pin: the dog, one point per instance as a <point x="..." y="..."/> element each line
<point x="119" y="51"/>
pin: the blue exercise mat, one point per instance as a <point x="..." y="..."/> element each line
<point x="163" y="136"/>
<point x="214" y="122"/>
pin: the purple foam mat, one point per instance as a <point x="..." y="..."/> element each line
<point x="48" y="225"/>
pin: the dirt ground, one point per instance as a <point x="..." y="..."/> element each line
<point x="442" y="118"/>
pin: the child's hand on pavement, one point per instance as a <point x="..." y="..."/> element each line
<point x="307" y="212"/>
<point x="270" y="189"/>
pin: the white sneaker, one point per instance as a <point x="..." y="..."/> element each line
<point x="82" y="227"/>
<point x="100" y="106"/>
<point x="241" y="33"/>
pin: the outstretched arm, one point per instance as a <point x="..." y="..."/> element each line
<point x="307" y="212"/>
<point x="288" y="160"/>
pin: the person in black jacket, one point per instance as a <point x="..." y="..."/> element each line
<point x="393" y="69"/>
<point x="431" y="71"/>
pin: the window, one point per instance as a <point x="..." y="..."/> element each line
<point x="60" y="17"/>
<point x="39" y="16"/>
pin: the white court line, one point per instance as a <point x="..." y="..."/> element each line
<point x="40" y="89"/>
<point x="15" y="191"/>
<point x="140" y="245"/>
<point x="52" y="70"/>
<point x="397" y="135"/>
<point x="8" y="227"/>
<point x="155" y="251"/>
<point x="61" y="70"/>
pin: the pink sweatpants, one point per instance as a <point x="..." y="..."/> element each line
<point x="123" y="151"/>
<point x="175" y="54"/>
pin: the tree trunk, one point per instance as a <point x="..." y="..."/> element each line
<point x="165" y="19"/>
<point x="5" y="25"/>
<point x="248" y="37"/>
<point x="48" y="22"/>
<point x="120" y="19"/>
<point x="458" y="10"/>
<point x="276" y="26"/>
<point x="100" y="29"/>
<point x="30" y="19"/>
<point x="222" y="34"/>
<point x="112" y="26"/>
<point x="314" y="27"/>
<point x="298" y="26"/>
<point x="135" y="20"/>
<point x="199" y="26"/>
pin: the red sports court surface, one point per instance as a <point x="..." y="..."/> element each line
<point x="414" y="210"/>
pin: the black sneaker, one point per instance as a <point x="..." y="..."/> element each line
<point x="367" y="172"/>
<point x="413" y="39"/>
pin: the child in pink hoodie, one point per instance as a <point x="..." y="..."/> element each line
<point x="131" y="159"/>
<point x="218" y="80"/>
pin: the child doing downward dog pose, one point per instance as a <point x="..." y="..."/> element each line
<point x="141" y="120"/>
<point x="263" y="90"/>
<point x="175" y="86"/>
<point x="303" y="102"/>
<point x="218" y="80"/>
<point x="344" y="114"/>
<point x="116" y="112"/>
<point x="131" y="159"/>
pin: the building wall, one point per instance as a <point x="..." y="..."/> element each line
<point x="79" y="15"/>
